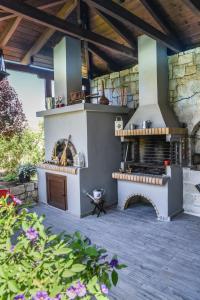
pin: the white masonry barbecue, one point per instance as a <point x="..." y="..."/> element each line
<point x="152" y="157"/>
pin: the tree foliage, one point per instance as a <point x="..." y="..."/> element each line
<point x="12" y="118"/>
<point x="21" y="149"/>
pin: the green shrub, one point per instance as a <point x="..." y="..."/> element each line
<point x="36" y="264"/>
<point x="21" y="149"/>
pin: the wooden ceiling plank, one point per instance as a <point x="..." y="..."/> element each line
<point x="120" y="28"/>
<point x="5" y="16"/>
<point x="9" y="30"/>
<point x="130" y="19"/>
<point x="194" y="5"/>
<point x="112" y="65"/>
<point x="63" y="13"/>
<point x="150" y="5"/>
<point x="160" y="16"/>
<point x="13" y="24"/>
<point x="40" y="17"/>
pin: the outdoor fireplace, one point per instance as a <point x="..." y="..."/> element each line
<point x="85" y="129"/>
<point x="153" y="155"/>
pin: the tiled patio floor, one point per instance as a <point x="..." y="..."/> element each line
<point x="163" y="258"/>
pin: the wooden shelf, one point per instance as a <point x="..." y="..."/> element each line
<point x="151" y="131"/>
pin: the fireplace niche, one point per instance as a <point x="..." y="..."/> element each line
<point x="64" y="153"/>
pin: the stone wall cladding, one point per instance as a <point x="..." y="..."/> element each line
<point x="184" y="97"/>
<point x="129" y="79"/>
<point x="27" y="191"/>
<point x="184" y="86"/>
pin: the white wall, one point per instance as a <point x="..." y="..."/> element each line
<point x="31" y="92"/>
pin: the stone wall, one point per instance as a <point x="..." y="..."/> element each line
<point x="27" y="191"/>
<point x="184" y="86"/>
<point x="184" y="97"/>
<point x="115" y="83"/>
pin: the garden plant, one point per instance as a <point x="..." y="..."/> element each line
<point x="36" y="264"/>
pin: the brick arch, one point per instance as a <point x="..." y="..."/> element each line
<point x="194" y="140"/>
<point x="195" y="129"/>
<point x="133" y="198"/>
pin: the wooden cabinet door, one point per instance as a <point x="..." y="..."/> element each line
<point x="57" y="190"/>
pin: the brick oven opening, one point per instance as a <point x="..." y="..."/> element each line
<point x="64" y="153"/>
<point x="141" y="200"/>
<point x="150" y="154"/>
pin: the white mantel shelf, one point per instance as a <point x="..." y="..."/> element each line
<point x="56" y="168"/>
<point x="84" y="106"/>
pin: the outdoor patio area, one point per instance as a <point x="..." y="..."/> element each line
<point x="163" y="258"/>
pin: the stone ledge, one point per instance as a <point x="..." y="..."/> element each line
<point x="148" y="179"/>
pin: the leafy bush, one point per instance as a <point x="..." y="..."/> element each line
<point x="26" y="171"/>
<point x="26" y="148"/>
<point x="36" y="264"/>
<point x="9" y="177"/>
<point x="12" y="120"/>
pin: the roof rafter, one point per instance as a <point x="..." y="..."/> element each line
<point x="159" y="14"/>
<point x="120" y="28"/>
<point x="194" y="5"/>
<point x="14" y="23"/>
<point x="43" y="18"/>
<point x="9" y="30"/>
<point x="112" y="65"/>
<point x="5" y="16"/>
<point x="128" y="18"/>
<point x="63" y="13"/>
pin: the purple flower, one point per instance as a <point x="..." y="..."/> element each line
<point x="80" y="289"/>
<point x="41" y="295"/>
<point x="104" y="289"/>
<point x="114" y="263"/>
<point x="71" y="293"/>
<point x="17" y="201"/>
<point x="58" y="297"/>
<point x="12" y="248"/>
<point x="19" y="297"/>
<point x="32" y="234"/>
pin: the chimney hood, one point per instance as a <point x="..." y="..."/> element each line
<point x="153" y="86"/>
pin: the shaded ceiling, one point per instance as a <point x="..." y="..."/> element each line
<point x="28" y="41"/>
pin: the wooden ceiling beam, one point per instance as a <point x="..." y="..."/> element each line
<point x="5" y="16"/>
<point x="151" y="7"/>
<point x="14" y="23"/>
<point x="112" y="65"/>
<point x="42" y="73"/>
<point x="48" y="4"/>
<point x="128" y="18"/>
<point x="160" y="16"/>
<point x="9" y="30"/>
<point x="194" y="5"/>
<point x="40" y="17"/>
<point x="63" y="13"/>
<point x="120" y="28"/>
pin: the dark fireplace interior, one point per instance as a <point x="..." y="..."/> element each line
<point x="150" y="154"/>
<point x="64" y="152"/>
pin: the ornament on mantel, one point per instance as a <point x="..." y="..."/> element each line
<point x="103" y="100"/>
<point x="59" y="102"/>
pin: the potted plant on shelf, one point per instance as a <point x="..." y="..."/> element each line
<point x="25" y="172"/>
